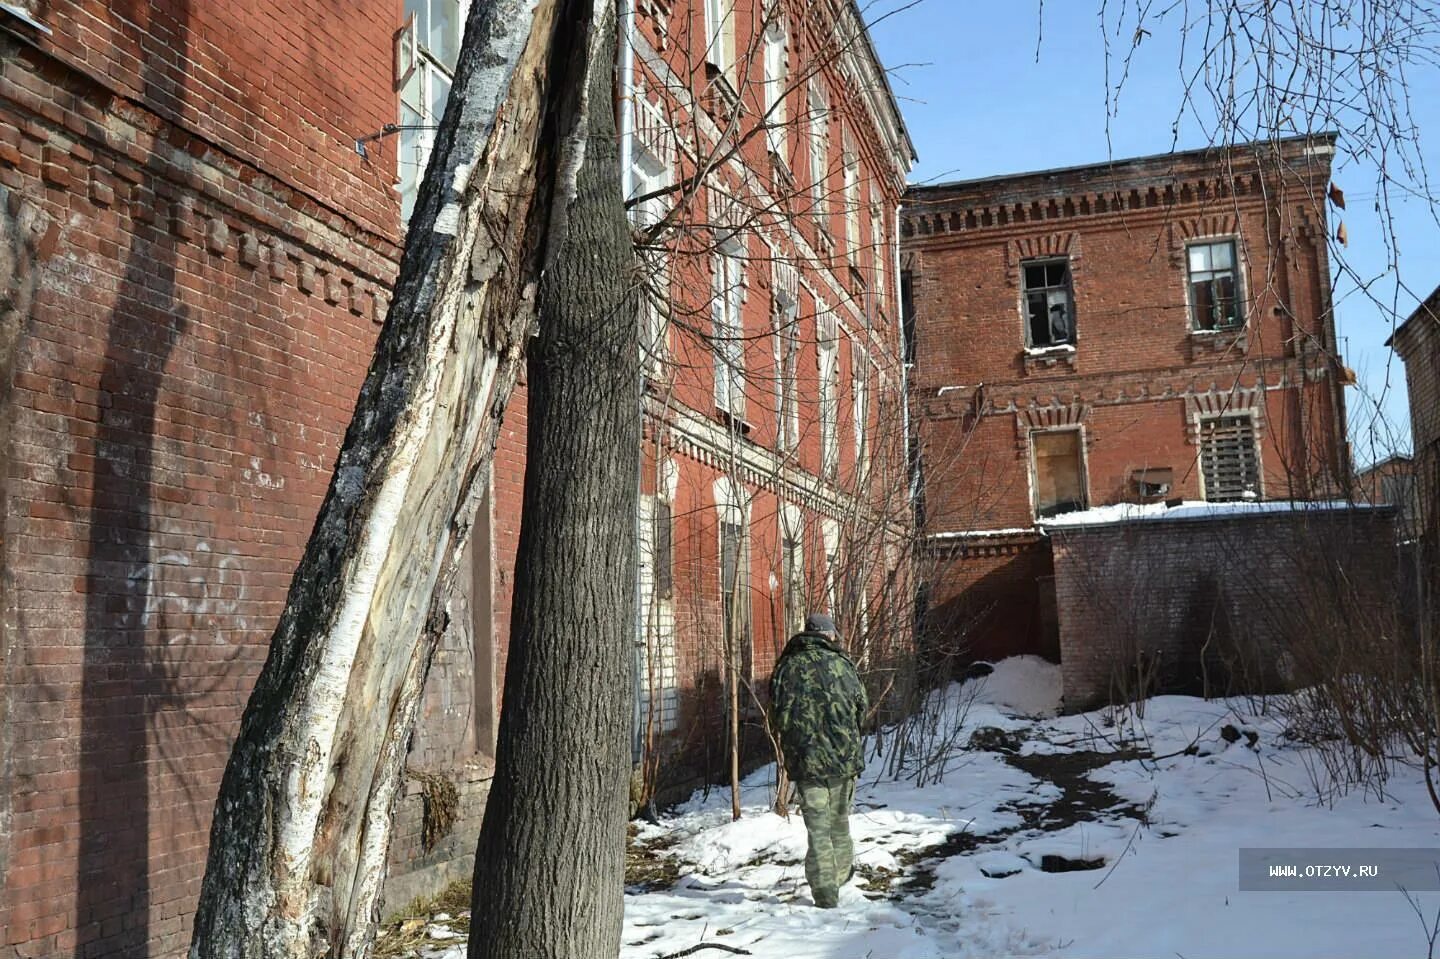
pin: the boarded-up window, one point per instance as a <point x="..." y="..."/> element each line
<point x="1229" y="461"/>
<point x="1059" y="472"/>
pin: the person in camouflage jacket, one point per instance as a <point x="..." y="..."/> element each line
<point x="820" y="709"/>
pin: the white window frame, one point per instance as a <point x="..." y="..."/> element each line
<point x="860" y="406"/>
<point x="819" y="156"/>
<point x="787" y="373"/>
<point x="827" y="362"/>
<point x="877" y="243"/>
<point x="732" y="507"/>
<point x="416" y="64"/>
<point x="650" y="174"/>
<point x="720" y="37"/>
<point x="1237" y="269"/>
<point x="830" y="537"/>
<point x="728" y="326"/>
<point x="1069" y="291"/>
<point x="792" y="567"/>
<point x="656" y="660"/>
<point x="776" y="76"/>
<point x="851" y="173"/>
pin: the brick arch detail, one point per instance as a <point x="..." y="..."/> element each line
<point x="1214" y="402"/>
<point x="1054" y="415"/>
<point x="1040" y="246"/>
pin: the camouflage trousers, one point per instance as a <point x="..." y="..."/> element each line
<point x="825" y="807"/>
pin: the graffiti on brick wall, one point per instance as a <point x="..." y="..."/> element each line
<point x="196" y="596"/>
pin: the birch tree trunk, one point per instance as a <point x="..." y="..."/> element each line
<point x="302" y="824"/>
<point x="549" y="867"/>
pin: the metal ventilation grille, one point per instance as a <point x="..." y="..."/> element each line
<point x="1228" y="458"/>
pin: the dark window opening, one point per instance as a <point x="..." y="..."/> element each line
<point x="1229" y="461"/>
<point x="1059" y="472"/>
<point x="664" y="563"/>
<point x="739" y="647"/>
<point x="1214" y="291"/>
<point x="1049" y="305"/>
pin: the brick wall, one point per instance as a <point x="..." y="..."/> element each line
<point x="1418" y="343"/>
<point x="204" y="260"/>
<point x="1204" y="603"/>
<point x="1137" y="377"/>
<point x="992" y="597"/>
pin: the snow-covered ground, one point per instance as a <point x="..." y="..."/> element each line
<point x="958" y="868"/>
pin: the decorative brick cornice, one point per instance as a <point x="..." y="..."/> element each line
<point x="1086" y="393"/>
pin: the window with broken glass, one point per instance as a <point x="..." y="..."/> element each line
<point x="428" y="48"/>
<point x="1214" y="287"/>
<point x="1229" y="458"/>
<point x="1049" y="304"/>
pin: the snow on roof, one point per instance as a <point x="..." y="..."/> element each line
<point x="1189" y="510"/>
<point x="980" y="533"/>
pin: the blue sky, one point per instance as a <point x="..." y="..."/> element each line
<point x="978" y="104"/>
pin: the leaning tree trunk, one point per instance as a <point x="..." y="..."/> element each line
<point x="549" y="868"/>
<point x="302" y="824"/>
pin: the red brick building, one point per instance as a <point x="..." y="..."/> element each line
<point x="1134" y="331"/>
<point x="1417" y="341"/>
<point x="194" y="258"/>
<point x="768" y="159"/>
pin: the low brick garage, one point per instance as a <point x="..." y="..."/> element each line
<point x="1199" y="599"/>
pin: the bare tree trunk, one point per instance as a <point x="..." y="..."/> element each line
<point x="302" y="824"/>
<point x="549" y="868"/>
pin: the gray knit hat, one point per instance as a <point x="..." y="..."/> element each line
<point x="819" y="623"/>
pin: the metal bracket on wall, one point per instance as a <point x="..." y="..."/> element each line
<point x="388" y="129"/>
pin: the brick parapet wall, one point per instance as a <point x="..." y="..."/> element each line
<point x="1156" y="590"/>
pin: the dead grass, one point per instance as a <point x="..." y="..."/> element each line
<point x="405" y="934"/>
<point x="647" y="868"/>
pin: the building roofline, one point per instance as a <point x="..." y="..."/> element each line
<point x="890" y="97"/>
<point x="1327" y="138"/>
<point x="1392" y="458"/>
<point x="1422" y="307"/>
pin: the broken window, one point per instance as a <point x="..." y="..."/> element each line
<point x="1049" y="306"/>
<point x="427" y="49"/>
<point x="1229" y="459"/>
<point x="1214" y="290"/>
<point x="1059" y="471"/>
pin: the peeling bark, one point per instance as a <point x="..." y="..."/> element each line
<point x="302" y="824"/>
<point x="549" y="866"/>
